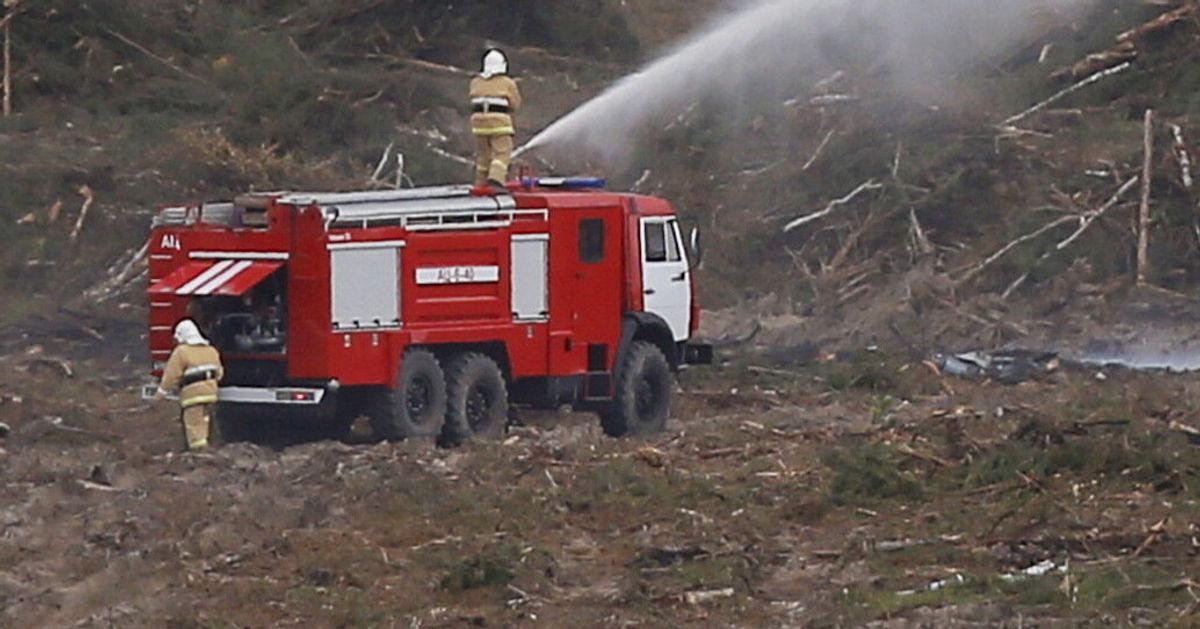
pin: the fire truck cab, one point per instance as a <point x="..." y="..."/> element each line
<point x="430" y="310"/>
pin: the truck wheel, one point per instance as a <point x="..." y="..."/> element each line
<point x="417" y="406"/>
<point x="478" y="398"/>
<point x="643" y="399"/>
<point x="233" y="423"/>
<point x="339" y="426"/>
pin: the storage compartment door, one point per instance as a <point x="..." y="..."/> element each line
<point x="365" y="287"/>
<point x="530" y="286"/>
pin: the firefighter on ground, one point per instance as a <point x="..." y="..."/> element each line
<point x="194" y="369"/>
<point x="494" y="101"/>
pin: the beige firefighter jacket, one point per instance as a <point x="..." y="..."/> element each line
<point x="185" y="363"/>
<point x="497" y="90"/>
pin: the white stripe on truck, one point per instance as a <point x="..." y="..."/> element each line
<point x="200" y="280"/>
<point x="221" y="279"/>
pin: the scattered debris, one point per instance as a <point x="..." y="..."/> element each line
<point x="706" y="596"/>
<point x="1007" y="366"/>
<point x="651" y="456"/>
<point x="1193" y="434"/>
<point x="89" y="199"/>
<point x="99" y="476"/>
<point x="1039" y="569"/>
<point x="957" y="579"/>
<point x="62" y="365"/>
<point x="671" y="556"/>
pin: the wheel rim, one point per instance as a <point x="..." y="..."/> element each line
<point x="419" y="398"/>
<point x="478" y="404"/>
<point x="647" y="396"/>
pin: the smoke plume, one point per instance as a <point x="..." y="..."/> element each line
<point x="918" y="45"/>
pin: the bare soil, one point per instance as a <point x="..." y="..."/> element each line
<point x="860" y="490"/>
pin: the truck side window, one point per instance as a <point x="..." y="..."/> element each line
<point x="673" y="242"/>
<point x="591" y="240"/>
<point x="656" y="242"/>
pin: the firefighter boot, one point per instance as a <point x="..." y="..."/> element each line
<point x="196" y="426"/>
<point x="483" y="159"/>
<point x="501" y="150"/>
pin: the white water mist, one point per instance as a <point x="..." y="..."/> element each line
<point x="919" y="44"/>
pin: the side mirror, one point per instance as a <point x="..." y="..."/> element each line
<point x="696" y="248"/>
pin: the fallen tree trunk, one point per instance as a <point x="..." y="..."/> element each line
<point x="6" y="24"/>
<point x="1143" y="251"/>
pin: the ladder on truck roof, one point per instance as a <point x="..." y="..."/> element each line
<point x="436" y="208"/>
<point x="430" y="208"/>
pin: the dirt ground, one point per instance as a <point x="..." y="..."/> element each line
<point x="858" y="490"/>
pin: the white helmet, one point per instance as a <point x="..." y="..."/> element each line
<point x="187" y="333"/>
<point x="494" y="62"/>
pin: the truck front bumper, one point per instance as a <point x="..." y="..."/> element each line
<point x="697" y="353"/>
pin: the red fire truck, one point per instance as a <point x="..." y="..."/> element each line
<point x="429" y="310"/>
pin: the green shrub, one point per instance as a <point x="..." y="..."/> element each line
<point x="870" y="473"/>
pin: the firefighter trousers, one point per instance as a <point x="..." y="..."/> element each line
<point x="196" y="420"/>
<point x="492" y="156"/>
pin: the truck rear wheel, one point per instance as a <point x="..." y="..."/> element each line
<point x="417" y="406"/>
<point x="643" y="398"/>
<point x="233" y="423"/>
<point x="477" y="399"/>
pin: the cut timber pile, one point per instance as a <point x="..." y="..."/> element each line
<point x="1126" y="47"/>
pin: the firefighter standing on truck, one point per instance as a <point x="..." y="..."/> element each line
<point x="194" y="369"/>
<point x="494" y="100"/>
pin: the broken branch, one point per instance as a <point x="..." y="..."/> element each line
<point x="833" y="205"/>
<point x="1084" y="223"/>
<point x="1143" y="251"/>
<point x="89" y="198"/>
<point x="421" y="63"/>
<point x="1092" y="216"/>
<point x="149" y="53"/>
<point x="6" y="24"/>
<point x="820" y="149"/>
<point x="1183" y="156"/>
<point x="1099" y="76"/>
<point x="979" y="268"/>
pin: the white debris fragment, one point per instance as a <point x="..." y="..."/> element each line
<point x="1036" y="570"/>
<point x="705" y="596"/>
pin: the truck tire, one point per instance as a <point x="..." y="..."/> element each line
<point x="341" y="424"/>
<point x="417" y="406"/>
<point x="477" y="399"/>
<point x="233" y="423"/>
<point x="643" y="398"/>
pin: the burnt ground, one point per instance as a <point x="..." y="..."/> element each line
<point x="862" y="488"/>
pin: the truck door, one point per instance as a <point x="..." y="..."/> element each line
<point x="668" y="293"/>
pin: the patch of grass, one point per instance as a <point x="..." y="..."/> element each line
<point x="1134" y="586"/>
<point x="874" y="602"/>
<point x="1146" y="459"/>
<point x="625" y="486"/>
<point x="883" y="374"/>
<point x="1139" y="585"/>
<point x="870" y="473"/>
